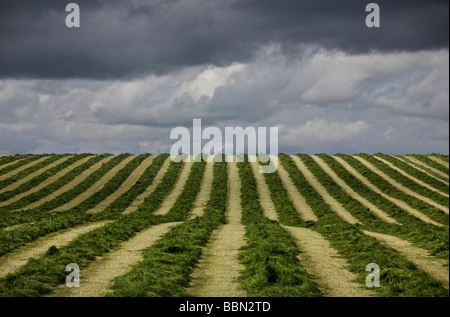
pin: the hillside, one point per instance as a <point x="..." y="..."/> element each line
<point x="142" y="225"/>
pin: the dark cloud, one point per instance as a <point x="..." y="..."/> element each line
<point x="123" y="39"/>
<point x="330" y="102"/>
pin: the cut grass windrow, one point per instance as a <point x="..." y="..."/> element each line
<point x="168" y="264"/>
<point x="8" y="163"/>
<point x="374" y="209"/>
<point x="335" y="205"/>
<point x="398" y="276"/>
<point x="8" y="160"/>
<point x="88" y="199"/>
<point x="41" y="181"/>
<point x="25" y="170"/>
<point x="156" y="179"/>
<point x="38" y="175"/>
<point x="205" y="192"/>
<point x="270" y="255"/>
<point x="177" y="190"/>
<point x="404" y="184"/>
<point x="316" y="255"/>
<point x="409" y="204"/>
<point x="19" y="166"/>
<point x="111" y="182"/>
<point x="439" y="160"/>
<point x="305" y="212"/>
<point x="125" y="186"/>
<point x="264" y="193"/>
<point x="45" y="223"/>
<point x="325" y="264"/>
<point x="40" y="276"/>
<point x="445" y="158"/>
<point x="15" y="260"/>
<point x="412" y="229"/>
<point x="436" y="268"/>
<point x="96" y="279"/>
<point x="417" y="176"/>
<point x="429" y="164"/>
<point x="68" y="195"/>
<point x="218" y="269"/>
<point x="58" y="187"/>
<point x="422" y="169"/>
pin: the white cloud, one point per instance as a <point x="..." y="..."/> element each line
<point x="321" y="130"/>
<point x="326" y="101"/>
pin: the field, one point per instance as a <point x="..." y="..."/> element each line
<point x="143" y="225"/>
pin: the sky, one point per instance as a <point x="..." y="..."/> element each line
<point x="134" y="70"/>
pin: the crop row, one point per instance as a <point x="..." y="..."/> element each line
<point x="40" y="276"/>
<point x="35" y="181"/>
<point x="430" y="162"/>
<point x="415" y="172"/>
<point x="407" y="182"/>
<point x="399" y="275"/>
<point x="35" y="167"/>
<point x="414" y="202"/>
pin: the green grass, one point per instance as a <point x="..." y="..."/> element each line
<point x="434" y="213"/>
<point x="35" y="181"/>
<point x="424" y="177"/>
<point x="52" y="222"/>
<point x="28" y="159"/>
<point x="399" y="277"/>
<point x="430" y="163"/>
<point x="424" y="235"/>
<point x="39" y="276"/>
<point x="16" y="177"/>
<point x="44" y="192"/>
<point x="272" y="268"/>
<point x="405" y="181"/>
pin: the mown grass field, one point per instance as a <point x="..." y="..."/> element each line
<point x="142" y="225"/>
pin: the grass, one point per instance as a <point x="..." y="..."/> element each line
<point x="399" y="277"/>
<point x="270" y="255"/>
<point x="39" y="276"/>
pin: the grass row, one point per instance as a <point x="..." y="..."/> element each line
<point x="81" y="187"/>
<point x="35" y="181"/>
<point x="424" y="235"/>
<point x="414" y="202"/>
<point x="52" y="222"/>
<point x="444" y="158"/>
<point x="415" y="172"/>
<point x="111" y="186"/>
<point x="11" y="158"/>
<point x="423" y="168"/>
<point x="39" y="276"/>
<point x="35" y="213"/>
<point x="272" y="268"/>
<point x="168" y="264"/>
<point x="14" y="178"/>
<point x="430" y="162"/>
<point x="407" y="182"/>
<point x="398" y="276"/>
<point x="49" y="189"/>
<point x="26" y="160"/>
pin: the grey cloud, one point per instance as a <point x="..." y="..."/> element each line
<point x="137" y="115"/>
<point x="121" y="39"/>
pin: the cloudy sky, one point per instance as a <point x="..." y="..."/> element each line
<point x="136" y="69"/>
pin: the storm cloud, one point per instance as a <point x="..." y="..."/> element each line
<point x="124" y="39"/>
<point x="136" y="69"/>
